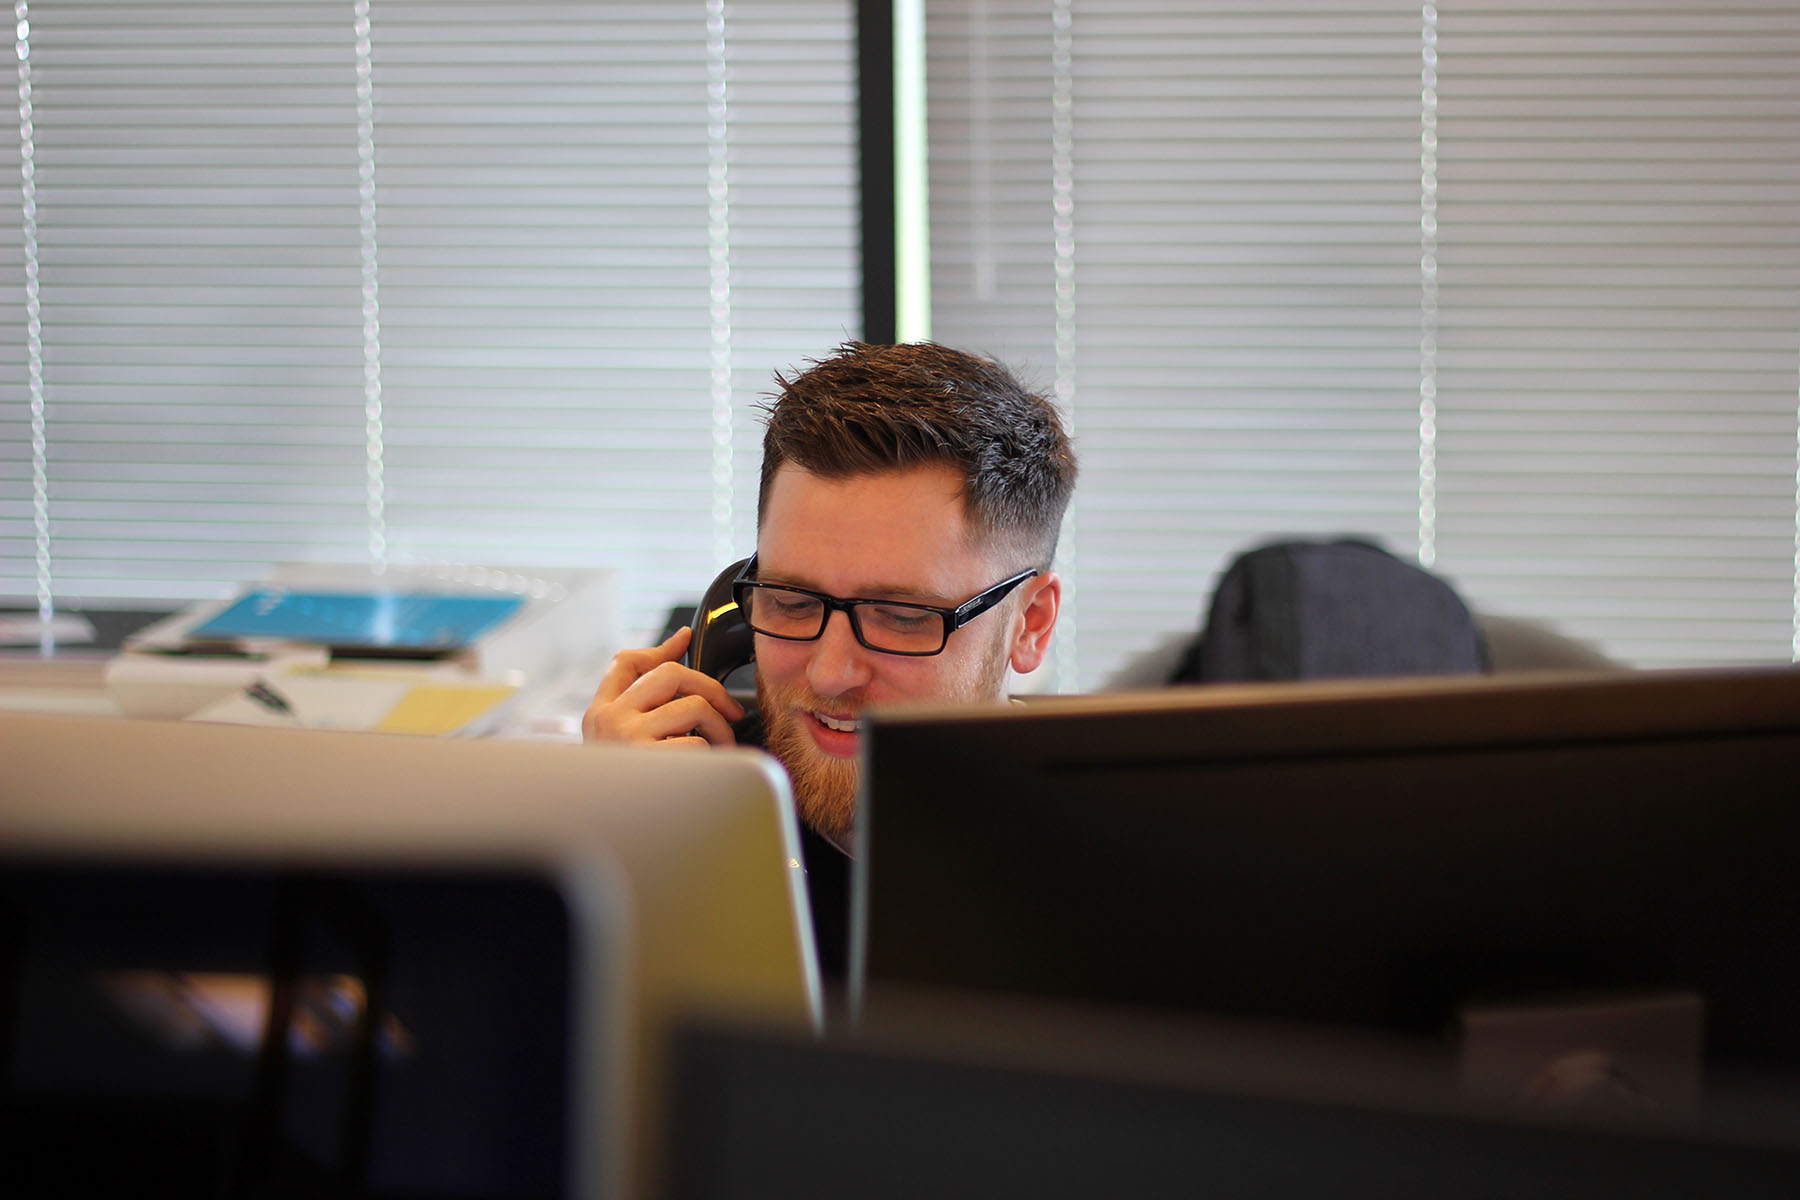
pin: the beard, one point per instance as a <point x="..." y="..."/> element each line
<point x="825" y="786"/>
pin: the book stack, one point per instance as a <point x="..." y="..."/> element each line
<point x="440" y="651"/>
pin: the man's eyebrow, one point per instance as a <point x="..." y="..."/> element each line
<point x="897" y="591"/>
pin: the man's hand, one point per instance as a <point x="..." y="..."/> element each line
<point x="647" y="696"/>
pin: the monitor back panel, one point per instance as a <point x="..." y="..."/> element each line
<point x="1387" y="856"/>
<point x="1077" y="1116"/>
<point x="429" y="1042"/>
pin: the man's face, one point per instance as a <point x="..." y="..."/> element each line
<point x="898" y="535"/>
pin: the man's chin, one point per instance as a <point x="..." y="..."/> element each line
<point x="825" y="795"/>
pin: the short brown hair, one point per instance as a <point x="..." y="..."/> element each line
<point x="865" y="409"/>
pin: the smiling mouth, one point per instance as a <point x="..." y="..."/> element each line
<point x="840" y="724"/>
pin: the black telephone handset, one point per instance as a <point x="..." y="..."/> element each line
<point x="722" y="642"/>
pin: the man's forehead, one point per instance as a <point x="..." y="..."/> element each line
<point x="899" y="507"/>
<point x="899" y="535"/>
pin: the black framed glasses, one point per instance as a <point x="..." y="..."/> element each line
<point x="890" y="626"/>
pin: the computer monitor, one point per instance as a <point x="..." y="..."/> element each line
<point x="478" y="946"/>
<point x="1590" y="880"/>
<point x="1026" y="1098"/>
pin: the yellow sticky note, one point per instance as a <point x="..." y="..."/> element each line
<point x="437" y="709"/>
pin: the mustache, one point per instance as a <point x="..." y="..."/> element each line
<point x="849" y="705"/>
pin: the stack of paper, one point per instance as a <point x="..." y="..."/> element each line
<point x="367" y="699"/>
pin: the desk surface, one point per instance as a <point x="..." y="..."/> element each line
<point x="67" y="683"/>
<point x="74" y="682"/>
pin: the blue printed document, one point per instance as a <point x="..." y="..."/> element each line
<point x="397" y="621"/>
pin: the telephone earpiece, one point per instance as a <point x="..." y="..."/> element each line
<point x="722" y="641"/>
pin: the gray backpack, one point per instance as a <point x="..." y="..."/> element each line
<point x="1322" y="610"/>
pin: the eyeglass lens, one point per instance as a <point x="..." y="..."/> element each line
<point x="901" y="628"/>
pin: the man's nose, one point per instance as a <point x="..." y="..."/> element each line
<point x="839" y="662"/>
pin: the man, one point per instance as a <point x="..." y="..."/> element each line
<point x="900" y="484"/>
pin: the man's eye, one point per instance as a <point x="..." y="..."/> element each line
<point x="789" y="604"/>
<point x="900" y="620"/>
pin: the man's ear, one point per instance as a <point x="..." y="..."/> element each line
<point x="1037" y="617"/>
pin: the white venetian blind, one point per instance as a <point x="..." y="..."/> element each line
<point x="569" y="226"/>
<point x="1513" y="288"/>
<point x="197" y="253"/>
<point x="1620" y="329"/>
<point x="509" y="303"/>
<point x="1243" y="335"/>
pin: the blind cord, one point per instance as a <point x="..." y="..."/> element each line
<point x="374" y="439"/>
<point x="34" y="342"/>
<point x="1428" y="289"/>
<point x="718" y="248"/>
